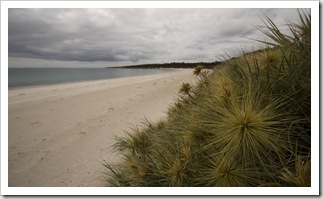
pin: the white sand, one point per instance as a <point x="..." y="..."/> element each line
<point x="60" y="134"/>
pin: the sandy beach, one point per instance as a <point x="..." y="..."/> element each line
<point x="60" y="134"/>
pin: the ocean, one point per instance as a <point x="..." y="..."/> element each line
<point x="23" y="77"/>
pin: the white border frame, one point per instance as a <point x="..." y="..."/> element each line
<point x="314" y="190"/>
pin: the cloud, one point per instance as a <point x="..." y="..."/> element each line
<point x="134" y="35"/>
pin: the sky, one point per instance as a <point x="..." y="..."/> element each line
<point x="55" y="37"/>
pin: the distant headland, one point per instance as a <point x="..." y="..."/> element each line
<point x="207" y="65"/>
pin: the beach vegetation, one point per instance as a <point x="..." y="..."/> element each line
<point x="198" y="69"/>
<point x="246" y="123"/>
<point x="185" y="89"/>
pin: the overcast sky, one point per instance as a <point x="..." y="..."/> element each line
<point x="115" y="37"/>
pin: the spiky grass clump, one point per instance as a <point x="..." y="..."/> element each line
<point x="301" y="175"/>
<point x="185" y="89"/>
<point x="198" y="70"/>
<point x="246" y="124"/>
<point x="227" y="173"/>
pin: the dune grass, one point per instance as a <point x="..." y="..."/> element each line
<point x="248" y="123"/>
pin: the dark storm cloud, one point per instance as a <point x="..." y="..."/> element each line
<point x="134" y="35"/>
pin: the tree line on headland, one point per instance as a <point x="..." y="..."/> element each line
<point x="206" y="65"/>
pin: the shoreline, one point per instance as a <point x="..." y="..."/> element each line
<point x="32" y="92"/>
<point x="14" y="87"/>
<point x="60" y="134"/>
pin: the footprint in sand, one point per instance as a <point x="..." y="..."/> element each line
<point x="45" y="153"/>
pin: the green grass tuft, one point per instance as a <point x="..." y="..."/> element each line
<point x="185" y="89"/>
<point x="198" y="70"/>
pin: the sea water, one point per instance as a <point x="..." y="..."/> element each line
<point x="21" y="77"/>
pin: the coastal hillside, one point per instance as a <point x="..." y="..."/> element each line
<point x="246" y="123"/>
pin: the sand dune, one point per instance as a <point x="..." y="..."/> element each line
<point x="60" y="134"/>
